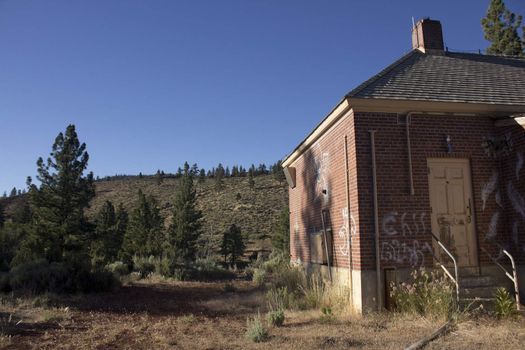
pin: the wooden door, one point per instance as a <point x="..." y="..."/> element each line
<point x="450" y="190"/>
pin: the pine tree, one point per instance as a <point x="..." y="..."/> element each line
<point x="185" y="227"/>
<point x="13" y="192"/>
<point x="202" y="176"/>
<point x="251" y="181"/>
<point x="158" y="177"/>
<point x="281" y="232"/>
<point x="104" y="248"/>
<point x="232" y="246"/>
<point x="2" y="215"/>
<point x="144" y="235"/>
<point x="500" y="27"/>
<point x="219" y="175"/>
<point x="278" y="173"/>
<point x="60" y="231"/>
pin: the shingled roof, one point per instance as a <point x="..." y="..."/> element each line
<point x="449" y="77"/>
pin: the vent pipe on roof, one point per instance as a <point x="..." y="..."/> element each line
<point x="427" y="35"/>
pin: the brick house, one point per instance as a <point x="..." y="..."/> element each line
<point x="433" y="144"/>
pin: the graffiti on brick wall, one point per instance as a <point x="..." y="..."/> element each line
<point x="488" y="188"/>
<point x="408" y="226"/>
<point x="405" y="224"/>
<point x="493" y="226"/>
<point x="497" y="146"/>
<point x="321" y="166"/>
<point x="344" y="235"/>
<point x="412" y="252"/>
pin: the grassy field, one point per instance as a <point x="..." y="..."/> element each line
<point x="195" y="315"/>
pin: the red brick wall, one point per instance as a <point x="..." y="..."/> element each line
<point x="322" y="167"/>
<point x="403" y="212"/>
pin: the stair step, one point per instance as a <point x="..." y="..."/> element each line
<point x="478" y="292"/>
<point x="476" y="281"/>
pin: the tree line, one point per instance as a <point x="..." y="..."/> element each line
<point x="50" y="232"/>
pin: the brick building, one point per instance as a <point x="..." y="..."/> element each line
<point x="433" y="144"/>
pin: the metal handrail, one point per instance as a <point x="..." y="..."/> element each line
<point x="447" y="272"/>
<point x="513" y="278"/>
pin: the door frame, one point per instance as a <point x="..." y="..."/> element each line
<point x="474" y="269"/>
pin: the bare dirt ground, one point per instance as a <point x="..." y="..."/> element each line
<point x="196" y="315"/>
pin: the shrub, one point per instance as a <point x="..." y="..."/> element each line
<point x="208" y="270"/>
<point x="426" y="294"/>
<point x="275" y="317"/>
<point x="279" y="299"/>
<point x="41" y="276"/>
<point x="505" y="305"/>
<point x="277" y="261"/>
<point x="144" y="265"/>
<point x="118" y="268"/>
<point x="258" y="277"/>
<point x="318" y="294"/>
<point x="255" y="330"/>
<point x="293" y="278"/>
<point x="97" y="281"/>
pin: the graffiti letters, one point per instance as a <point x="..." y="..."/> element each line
<point x="412" y="252"/>
<point x="321" y="176"/>
<point x="405" y="224"/>
<point x="348" y="223"/>
<point x="488" y="188"/>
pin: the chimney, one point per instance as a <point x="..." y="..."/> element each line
<point x="427" y="35"/>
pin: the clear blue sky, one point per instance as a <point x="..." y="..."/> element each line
<point x="150" y="84"/>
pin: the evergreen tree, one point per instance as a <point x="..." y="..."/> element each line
<point x="13" y="192"/>
<point x="227" y="172"/>
<point x="2" y="215"/>
<point x="194" y="169"/>
<point x="22" y="213"/>
<point x="278" y="173"/>
<point x="251" y="181"/>
<point x="144" y="235"/>
<point x="500" y="27"/>
<point x="4" y="195"/>
<point x="185" y="227"/>
<point x="202" y="176"/>
<point x="60" y="231"/>
<point x="232" y="246"/>
<point x="158" y="177"/>
<point x="235" y="171"/>
<point x="281" y="232"/>
<point x="140" y="175"/>
<point x="219" y="175"/>
<point x="104" y="246"/>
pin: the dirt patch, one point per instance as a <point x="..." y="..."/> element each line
<point x="196" y="315"/>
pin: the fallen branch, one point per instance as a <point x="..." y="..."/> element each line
<point x="420" y="344"/>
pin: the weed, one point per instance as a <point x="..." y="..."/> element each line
<point x="118" y="268"/>
<point x="427" y="294"/>
<point x="259" y="276"/>
<point x="275" y="317"/>
<point x="189" y="318"/>
<point x="255" y="330"/>
<point x="279" y="299"/>
<point x="505" y="306"/>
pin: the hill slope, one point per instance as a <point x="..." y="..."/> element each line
<point x="255" y="211"/>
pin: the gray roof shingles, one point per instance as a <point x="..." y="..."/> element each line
<point x="449" y="77"/>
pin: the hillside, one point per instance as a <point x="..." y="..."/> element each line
<point x="255" y="211"/>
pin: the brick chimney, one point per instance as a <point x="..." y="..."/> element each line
<point x="427" y="35"/>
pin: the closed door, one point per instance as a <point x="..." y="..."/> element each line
<point x="451" y="201"/>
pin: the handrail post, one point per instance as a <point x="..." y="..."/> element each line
<point x="456" y="279"/>
<point x="515" y="279"/>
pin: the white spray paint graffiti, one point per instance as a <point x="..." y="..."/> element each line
<point x="488" y="188"/>
<point x="493" y="226"/>
<point x="404" y="225"/>
<point x="412" y="252"/>
<point x="348" y="219"/>
<point x="516" y="199"/>
<point x="412" y="226"/>
<point x="519" y="164"/>
<point x="499" y="201"/>
<point x="321" y="176"/>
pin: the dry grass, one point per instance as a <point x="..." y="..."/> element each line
<point x="191" y="315"/>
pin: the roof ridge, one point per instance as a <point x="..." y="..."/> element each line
<point x="486" y="55"/>
<point x="382" y="73"/>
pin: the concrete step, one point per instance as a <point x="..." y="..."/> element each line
<point x="476" y="281"/>
<point x="478" y="292"/>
